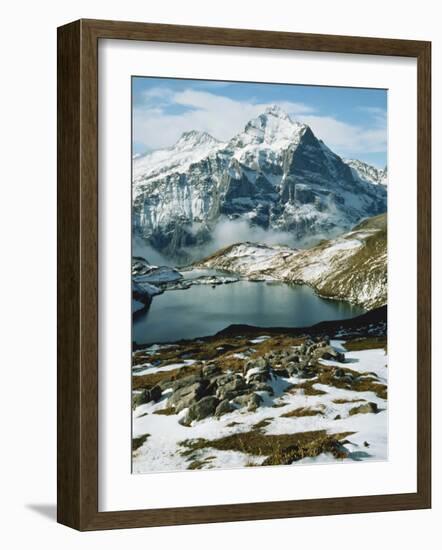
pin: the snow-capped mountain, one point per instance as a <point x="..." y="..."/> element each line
<point x="368" y="173"/>
<point x="276" y="174"/>
<point x="352" y="267"/>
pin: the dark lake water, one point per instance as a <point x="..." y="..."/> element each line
<point x="202" y="310"/>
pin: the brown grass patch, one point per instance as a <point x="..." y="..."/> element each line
<point x="302" y="411"/>
<point x="168" y="411"/>
<point x="279" y="449"/>
<point x="150" y="380"/>
<point x="359" y="384"/>
<point x="360" y="344"/>
<point x="308" y="388"/>
<point x="274" y="343"/>
<point x="262" y="424"/>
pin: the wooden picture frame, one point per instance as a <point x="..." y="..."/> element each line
<point x="78" y="274"/>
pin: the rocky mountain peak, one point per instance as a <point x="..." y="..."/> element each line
<point x="368" y="173"/>
<point x="276" y="111"/>
<point x="273" y="128"/>
<point x="195" y="138"/>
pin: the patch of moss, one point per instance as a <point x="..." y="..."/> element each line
<point x="168" y="411"/>
<point x="198" y="464"/>
<point x="262" y="424"/>
<point x="149" y="380"/>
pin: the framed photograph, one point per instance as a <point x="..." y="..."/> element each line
<point x="237" y="210"/>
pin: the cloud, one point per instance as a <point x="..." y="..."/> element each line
<point x="348" y="139"/>
<point x="164" y="114"/>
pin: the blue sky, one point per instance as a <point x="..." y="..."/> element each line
<point x="351" y="121"/>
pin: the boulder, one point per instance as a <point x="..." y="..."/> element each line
<point x="292" y="369"/>
<point x="366" y="408"/>
<point x="209" y="371"/>
<point x="142" y="398"/>
<point x="339" y="373"/>
<point x="251" y="400"/>
<point x="202" y="409"/>
<point x="306" y="372"/>
<point x="258" y="363"/>
<point x="155" y="393"/>
<point x="330" y="353"/>
<point x="283" y="372"/>
<point x="261" y="386"/>
<point x="224" y="407"/>
<point x="186" y="396"/>
<point x="258" y="370"/>
<point x="186" y="381"/>
<point x="254" y="402"/>
<point x="234" y="387"/>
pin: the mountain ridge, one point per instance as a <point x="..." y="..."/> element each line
<point x="275" y="174"/>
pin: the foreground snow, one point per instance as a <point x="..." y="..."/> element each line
<point x="163" y="449"/>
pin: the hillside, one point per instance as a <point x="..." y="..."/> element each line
<point x="352" y="267"/>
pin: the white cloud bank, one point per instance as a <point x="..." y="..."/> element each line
<point x="166" y="114"/>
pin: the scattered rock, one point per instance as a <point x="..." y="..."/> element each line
<point x="186" y="381"/>
<point x="210" y="370"/>
<point x="146" y="396"/>
<point x="252" y="401"/>
<point x="328" y="352"/>
<point x="155" y="393"/>
<point x="186" y="396"/>
<point x="366" y="408"/>
<point x="261" y="386"/>
<point x="202" y="409"/>
<point x="224" y="407"/>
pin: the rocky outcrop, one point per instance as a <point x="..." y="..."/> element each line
<point x="149" y="281"/>
<point x="212" y="392"/>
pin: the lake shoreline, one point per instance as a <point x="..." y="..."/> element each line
<point x="359" y="324"/>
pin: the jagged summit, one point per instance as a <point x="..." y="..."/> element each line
<point x="273" y="128"/>
<point x="368" y="173"/>
<point x="193" y="138"/>
<point x="276" y="111"/>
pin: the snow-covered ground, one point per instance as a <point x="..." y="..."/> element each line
<point x="162" y="451"/>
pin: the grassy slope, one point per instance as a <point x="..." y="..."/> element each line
<point x="358" y="274"/>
